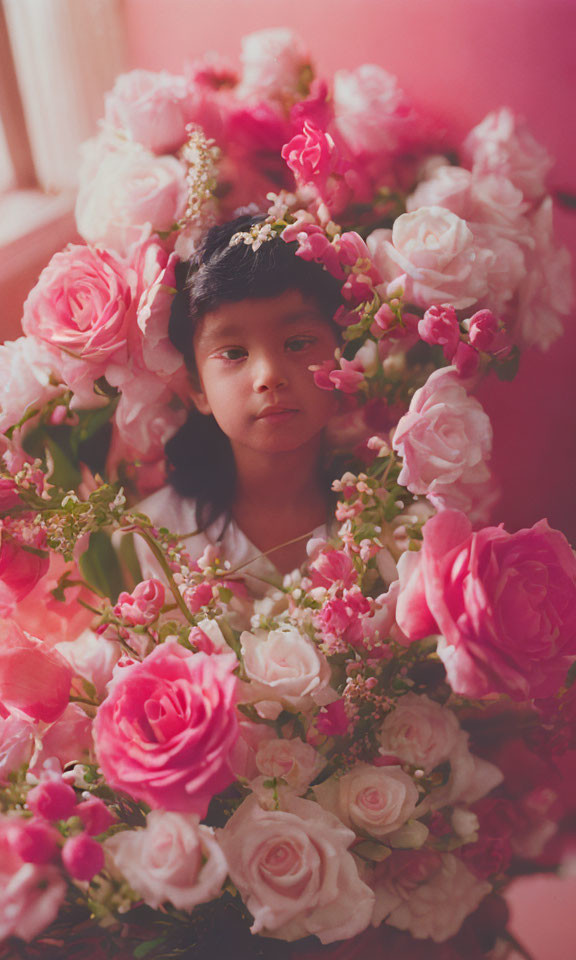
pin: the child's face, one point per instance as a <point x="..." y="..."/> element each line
<point x="253" y="360"/>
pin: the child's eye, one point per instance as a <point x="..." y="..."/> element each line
<point x="299" y="343"/>
<point x="232" y="353"/>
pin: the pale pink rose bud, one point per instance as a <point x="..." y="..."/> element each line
<point x="439" y="326"/>
<point x="483" y="329"/>
<point x="52" y="800"/>
<point x="95" y="816"/>
<point x="34" y="841"/>
<point x="466" y="360"/>
<point x="82" y="856"/>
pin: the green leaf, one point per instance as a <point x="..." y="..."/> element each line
<point x="143" y="949"/>
<point x="100" y="567"/>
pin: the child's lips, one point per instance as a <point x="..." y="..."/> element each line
<point x="276" y="413"/>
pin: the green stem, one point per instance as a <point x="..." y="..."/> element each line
<point x="89" y="703"/>
<point x="83" y="603"/>
<point x="166" y="570"/>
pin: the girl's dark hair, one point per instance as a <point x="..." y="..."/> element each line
<point x="200" y="459"/>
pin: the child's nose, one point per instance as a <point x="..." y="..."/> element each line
<point x="269" y="374"/>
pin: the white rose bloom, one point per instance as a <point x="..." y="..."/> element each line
<point x="373" y="800"/>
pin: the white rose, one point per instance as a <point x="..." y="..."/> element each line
<point x="446" y="186"/>
<point x="436" y="908"/>
<point x="294" y="872"/>
<point x="419" y="732"/>
<point x="436" y="252"/>
<point x="128" y="193"/>
<point x="172" y="860"/>
<point x="274" y="64"/>
<point x="374" y="800"/>
<point x="285" y="669"/>
<point x="91" y="657"/>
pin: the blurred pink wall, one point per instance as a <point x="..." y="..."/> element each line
<point x="460" y="59"/>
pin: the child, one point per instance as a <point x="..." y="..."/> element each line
<point x="246" y="470"/>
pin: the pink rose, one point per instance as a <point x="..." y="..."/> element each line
<point x="41" y="614"/>
<point x="20" y="571"/>
<point x="294" y="872"/>
<point x="444" y="186"/>
<point x="30" y="894"/>
<point x="369" y="799"/>
<point x="151" y="348"/>
<point x="504" y="603"/>
<point x="143" y="605"/>
<point x="68" y="739"/>
<point x="312" y="156"/>
<point x="172" y="860"/>
<point x="150" y="108"/>
<point x="275" y="66"/>
<point x="333" y="566"/>
<point x="420" y="732"/>
<point x="131" y="192"/>
<point x="428" y="894"/>
<point x="25" y="370"/>
<point x="294" y="761"/>
<point x="92" y="657"/>
<point x="33" y="678"/>
<point x="437" y="253"/>
<point x="439" y="325"/>
<point x="502" y="144"/>
<point x="165" y="732"/>
<point x="82" y="304"/>
<point x="16" y="743"/>
<point x="444" y="439"/>
<point x="483" y="329"/>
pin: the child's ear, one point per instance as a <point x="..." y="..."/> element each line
<point x="199" y="399"/>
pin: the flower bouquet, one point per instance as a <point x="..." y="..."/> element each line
<point x="326" y="766"/>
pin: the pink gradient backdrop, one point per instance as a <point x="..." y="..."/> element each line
<point x="460" y="59"/>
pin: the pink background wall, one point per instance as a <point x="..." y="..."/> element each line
<point x="460" y="59"/>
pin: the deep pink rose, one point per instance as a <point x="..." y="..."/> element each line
<point x="33" y="678"/>
<point x="333" y="566"/>
<point x="165" y="732"/>
<point x="143" y="605"/>
<point x="505" y="604"/>
<point x="439" y="325"/>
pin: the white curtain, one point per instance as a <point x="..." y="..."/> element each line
<point x="67" y="54"/>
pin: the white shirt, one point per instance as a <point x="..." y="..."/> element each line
<point x="168" y="509"/>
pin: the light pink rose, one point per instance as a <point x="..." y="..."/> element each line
<point x="427" y="894"/>
<point x="41" y="614"/>
<point x="436" y="254"/>
<point x="546" y="294"/>
<point x="165" y="732"/>
<point x="151" y="108"/>
<point x="16" y="743"/>
<point x="294" y="761"/>
<point x="145" y="418"/>
<point x="131" y="192"/>
<point x="275" y="66"/>
<point x="369" y="799"/>
<point x="68" y="739"/>
<point x="294" y="872"/>
<point x="92" y="657"/>
<point x="285" y="669"/>
<point x="506" y="267"/>
<point x="33" y="679"/>
<point x="151" y="348"/>
<point x="444" y="439"/>
<point x="25" y="370"/>
<point x="419" y="732"/>
<point x="172" y="860"/>
<point x="30" y="894"/>
<point x="504" y="603"/>
<point x="83" y="304"/>
<point x="444" y="186"/>
<point x="502" y="144"/>
<point x="372" y="114"/>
